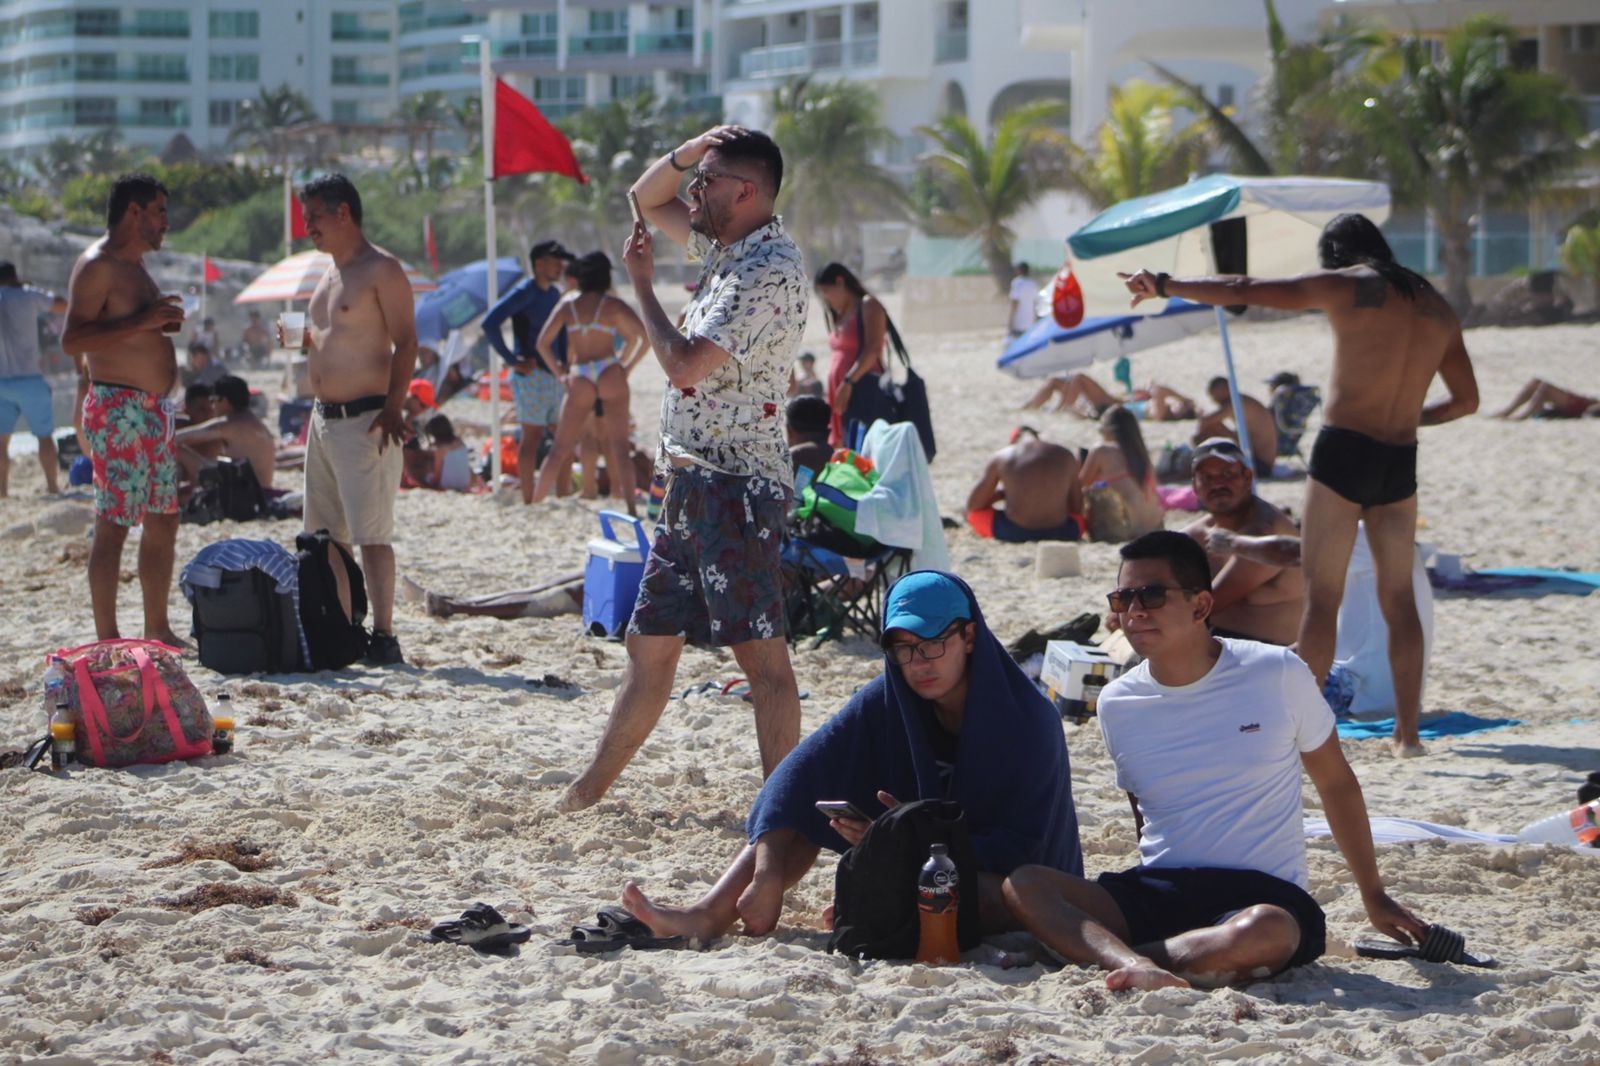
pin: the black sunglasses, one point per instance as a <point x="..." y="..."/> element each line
<point x="1150" y="597"/>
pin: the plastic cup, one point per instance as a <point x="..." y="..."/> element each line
<point x="293" y="324"/>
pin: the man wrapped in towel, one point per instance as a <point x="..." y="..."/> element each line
<point x="950" y="717"/>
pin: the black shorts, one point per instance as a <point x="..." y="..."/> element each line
<point x="1362" y="469"/>
<point x="1159" y="902"/>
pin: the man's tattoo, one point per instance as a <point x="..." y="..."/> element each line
<point x="1371" y="292"/>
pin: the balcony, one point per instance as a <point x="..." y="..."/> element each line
<point x="416" y="24"/>
<point x="357" y="35"/>
<point x="56" y="75"/>
<point x="647" y="44"/>
<point x="359" y="78"/>
<point x="526" y="48"/>
<point x="950" y="46"/>
<point x="435" y="67"/>
<point x="786" y="60"/>
<point x="597" y="44"/>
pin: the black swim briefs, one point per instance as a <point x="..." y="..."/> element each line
<point x="1363" y="470"/>
<point x="1008" y="531"/>
<point x="1161" y="902"/>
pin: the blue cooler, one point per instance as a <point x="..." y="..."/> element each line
<point x="611" y="578"/>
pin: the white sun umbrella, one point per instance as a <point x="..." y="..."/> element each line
<point x="296" y="278"/>
<point x="1218" y="224"/>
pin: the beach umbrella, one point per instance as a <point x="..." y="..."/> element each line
<point x="1047" y="348"/>
<point x="296" y="278"/>
<point x="1218" y="224"/>
<point x="473" y="278"/>
<point x="462" y="296"/>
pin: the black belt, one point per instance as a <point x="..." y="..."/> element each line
<point x="351" y="408"/>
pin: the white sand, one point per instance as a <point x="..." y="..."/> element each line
<point x="452" y="805"/>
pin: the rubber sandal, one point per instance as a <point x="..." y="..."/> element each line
<point x="481" y="928"/>
<point x="1438" y="945"/>
<point x="614" y="929"/>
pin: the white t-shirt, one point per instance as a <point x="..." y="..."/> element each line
<point x="1216" y="764"/>
<point x="1024" y="291"/>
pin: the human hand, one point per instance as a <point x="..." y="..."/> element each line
<point x="1221" y="541"/>
<point x="165" y="315"/>
<point x="1142" y="283"/>
<point x="391" y="427"/>
<point x="1112" y="623"/>
<point x="638" y="256"/>
<point x="1392" y="919"/>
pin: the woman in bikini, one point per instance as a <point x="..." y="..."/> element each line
<point x="605" y="339"/>
<point x="857" y="326"/>
<point x="1120" y="481"/>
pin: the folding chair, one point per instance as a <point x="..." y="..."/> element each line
<point x="828" y="595"/>
<point x="1292" y="406"/>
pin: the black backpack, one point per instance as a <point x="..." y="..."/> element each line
<point x="875" y="885"/>
<point x="246" y="626"/>
<point x="336" y="640"/>
<point x="227" y="490"/>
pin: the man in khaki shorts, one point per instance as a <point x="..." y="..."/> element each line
<point x="362" y="341"/>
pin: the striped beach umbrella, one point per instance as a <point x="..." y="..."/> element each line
<point x="296" y="278"/>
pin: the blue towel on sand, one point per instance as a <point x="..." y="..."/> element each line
<point x="1453" y="724"/>
<point x="1011" y="774"/>
<point x="1577" y="581"/>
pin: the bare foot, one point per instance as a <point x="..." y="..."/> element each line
<point x="577" y="798"/>
<point x="670" y="921"/>
<point x="1144" y="975"/>
<point x="827" y="917"/>
<point x="411" y="592"/>
<point x="760" y="905"/>
<point x="171" y="639"/>
<point x="1407" y="749"/>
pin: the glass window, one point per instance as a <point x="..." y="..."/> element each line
<point x="235" y="24"/>
<point x="243" y="67"/>
<point x="541" y="25"/>
<point x="222" y="112"/>
<point x="608" y="21"/>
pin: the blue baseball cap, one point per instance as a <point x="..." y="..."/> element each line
<point x="925" y="602"/>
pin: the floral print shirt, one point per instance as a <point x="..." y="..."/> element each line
<point x="751" y="302"/>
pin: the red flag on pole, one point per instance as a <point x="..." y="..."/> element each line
<point x="524" y="140"/>
<point x="212" y="274"/>
<point x="297" y="219"/>
<point x="430" y="244"/>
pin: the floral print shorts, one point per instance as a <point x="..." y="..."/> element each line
<point x="130" y="445"/>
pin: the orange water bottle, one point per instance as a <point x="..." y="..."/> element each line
<point x="938" y="892"/>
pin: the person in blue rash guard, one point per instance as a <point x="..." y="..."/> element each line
<point x="950" y="717"/>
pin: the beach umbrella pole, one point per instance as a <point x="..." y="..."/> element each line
<point x="491" y="252"/>
<point x="1233" y="383"/>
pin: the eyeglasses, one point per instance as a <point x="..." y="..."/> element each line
<point x="1150" y="597"/>
<point x="933" y="648"/>
<point x="701" y="178"/>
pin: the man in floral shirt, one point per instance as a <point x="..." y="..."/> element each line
<point x="712" y="575"/>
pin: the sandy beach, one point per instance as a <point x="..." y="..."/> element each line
<point x="373" y="802"/>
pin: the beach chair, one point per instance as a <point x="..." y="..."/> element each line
<point x="829" y="595"/>
<point x="1292" y="407"/>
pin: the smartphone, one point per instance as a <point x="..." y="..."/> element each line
<point x="841" y="809"/>
<point x="633" y="205"/>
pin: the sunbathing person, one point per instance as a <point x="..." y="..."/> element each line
<point x="1258" y="420"/>
<point x="1038" y="483"/>
<point x="1209" y="739"/>
<point x="236" y="433"/>
<point x="951" y="716"/>
<point x="1119" y="481"/>
<point x="1540" y="399"/>
<point x="1085" y="397"/>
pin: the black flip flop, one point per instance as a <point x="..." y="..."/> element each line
<point x="481" y="928"/>
<point x="615" y="929"/>
<point x="1438" y="945"/>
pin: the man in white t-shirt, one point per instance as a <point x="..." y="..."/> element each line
<point x="1209" y="737"/>
<point x="1024" y="291"/>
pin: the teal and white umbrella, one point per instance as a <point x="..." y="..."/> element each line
<point x="1218" y="224"/>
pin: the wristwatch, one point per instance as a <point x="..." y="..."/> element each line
<point x="1161" y="284"/>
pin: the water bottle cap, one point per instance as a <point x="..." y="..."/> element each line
<point x="939" y="851"/>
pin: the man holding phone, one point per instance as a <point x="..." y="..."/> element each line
<point x="951" y="717"/>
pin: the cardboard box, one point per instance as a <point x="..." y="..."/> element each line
<point x="1074" y="674"/>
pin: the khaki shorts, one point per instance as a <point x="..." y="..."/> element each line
<point x="350" y="486"/>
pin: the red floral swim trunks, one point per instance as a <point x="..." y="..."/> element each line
<point x="130" y="445"/>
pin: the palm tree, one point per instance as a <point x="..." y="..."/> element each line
<point x="422" y="115"/>
<point x="1139" y="149"/>
<point x="468" y="119"/>
<point x="978" y="186"/>
<point x="269" y="123"/>
<point x="829" y="133"/>
<point x="613" y="143"/>
<point x="1466" y="131"/>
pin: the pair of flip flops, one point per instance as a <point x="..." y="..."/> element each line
<point x="481" y="928"/>
<point x="1438" y="945"/>
<point x="614" y="929"/>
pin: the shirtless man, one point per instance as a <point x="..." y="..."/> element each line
<point x="1392" y="334"/>
<point x="123" y="323"/>
<point x="1038" y="483"/>
<point x="256" y="340"/>
<point x="237" y="434"/>
<point x="1257" y="417"/>
<point x="362" y="337"/>
<point x="1251" y="599"/>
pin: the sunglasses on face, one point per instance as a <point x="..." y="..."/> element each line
<point x="1150" y="597"/>
<point x="930" y="649"/>
<point x="702" y="178"/>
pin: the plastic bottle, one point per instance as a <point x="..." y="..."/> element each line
<point x="63" y="737"/>
<point x="55" y="686"/>
<point x="938" y="893"/>
<point x="1579" y="827"/>
<point x="222" y="725"/>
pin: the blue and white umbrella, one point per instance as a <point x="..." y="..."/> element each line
<point x="1048" y="348"/>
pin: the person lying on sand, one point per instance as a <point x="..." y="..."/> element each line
<point x="1208" y="737"/>
<point x="951" y="716"/>
<point x="1082" y="395"/>
<point x="1544" y="400"/>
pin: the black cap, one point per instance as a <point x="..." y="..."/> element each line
<point x="550" y="249"/>
<point x="8" y="272"/>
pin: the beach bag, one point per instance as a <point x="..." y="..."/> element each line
<point x="875" y="883"/>
<point x="245" y="625"/>
<point x="336" y="639"/>
<point x="904" y="400"/>
<point x="828" y="506"/>
<point x="227" y="490"/>
<point x="132" y="703"/>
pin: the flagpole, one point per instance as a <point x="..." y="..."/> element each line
<point x="205" y="261"/>
<point x="491" y="252"/>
